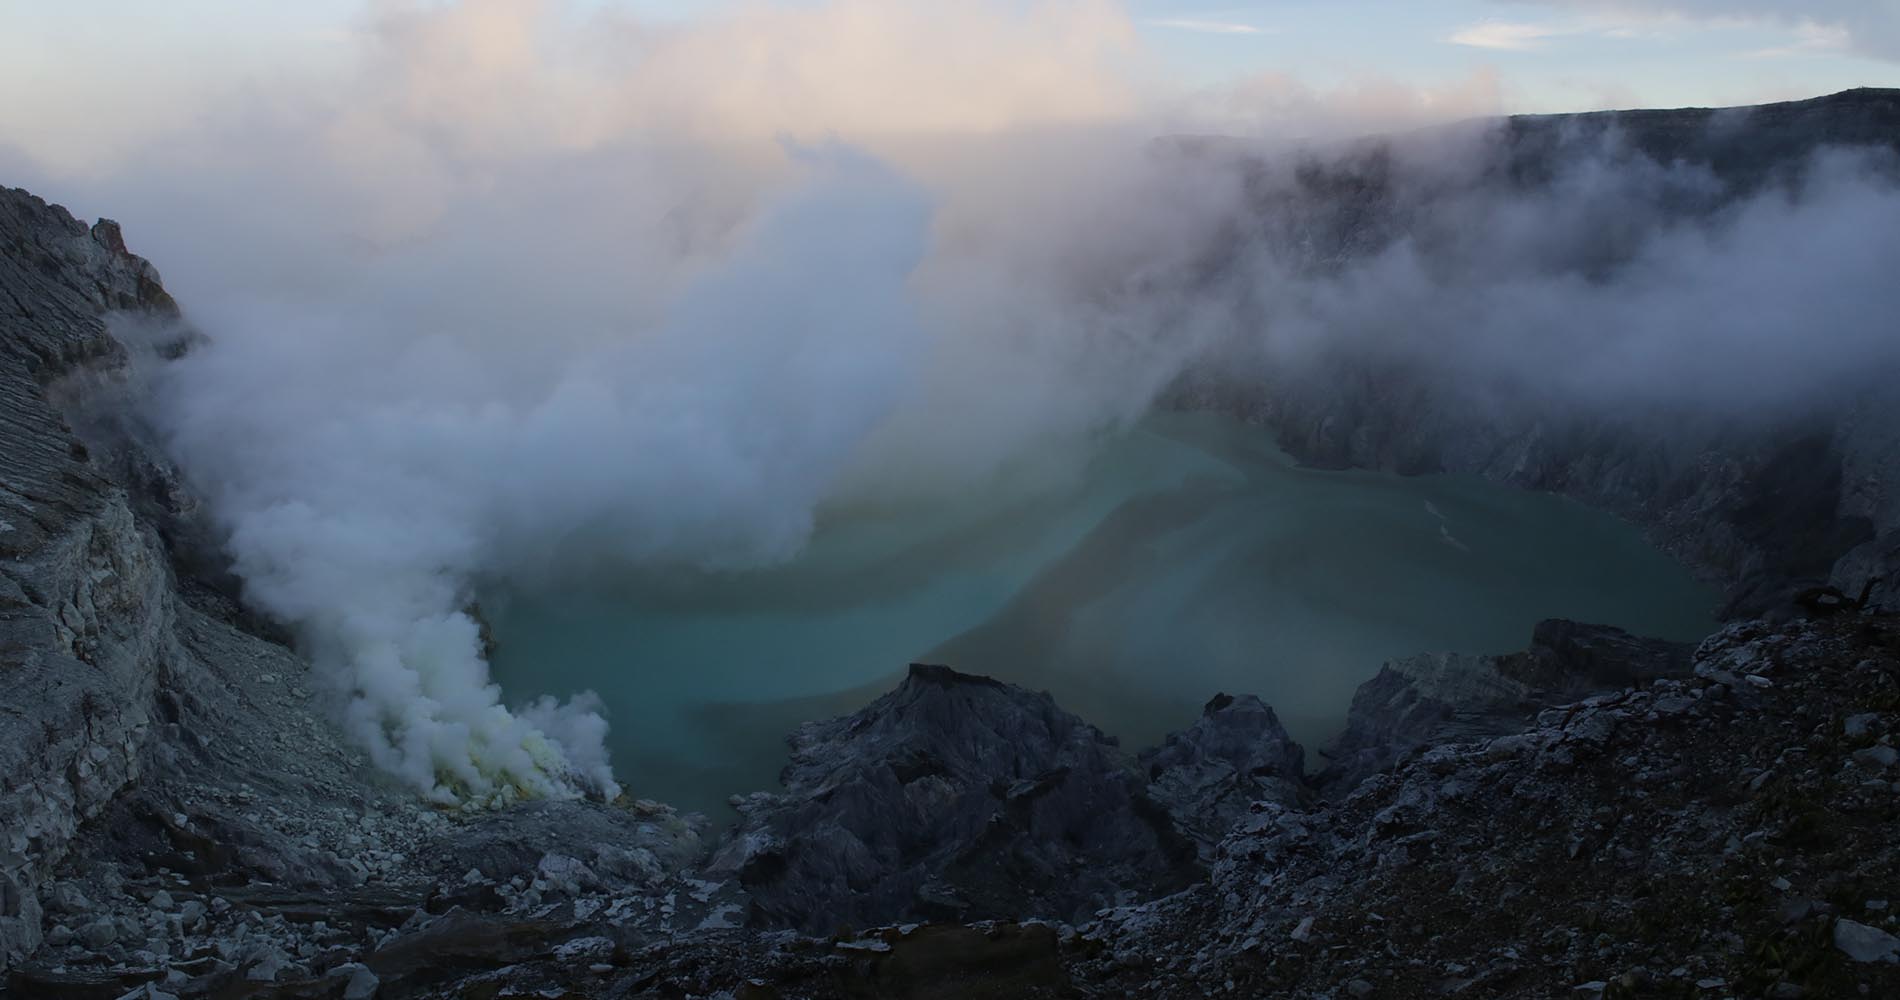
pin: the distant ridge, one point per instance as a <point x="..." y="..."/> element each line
<point x="1743" y="142"/>
<point x="1863" y="116"/>
<point x="1855" y="96"/>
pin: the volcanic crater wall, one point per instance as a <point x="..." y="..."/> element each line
<point x="1771" y="498"/>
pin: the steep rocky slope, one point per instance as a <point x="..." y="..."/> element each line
<point x="87" y="611"/>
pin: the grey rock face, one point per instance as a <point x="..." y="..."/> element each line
<point x="359" y="982"/>
<point x="1865" y="944"/>
<point x="952" y="797"/>
<point x="573" y="842"/>
<point x="86" y="604"/>
<point x="1567" y="659"/>
<point x="1234" y="755"/>
<point x="1449" y="697"/>
<point x="1606" y="843"/>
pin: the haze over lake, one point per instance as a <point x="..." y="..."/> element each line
<point x="1188" y="556"/>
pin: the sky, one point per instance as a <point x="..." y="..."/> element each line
<point x="87" y="75"/>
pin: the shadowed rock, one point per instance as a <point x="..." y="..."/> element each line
<point x="1234" y="755"/>
<point x="954" y="796"/>
<point x="1450" y="697"/>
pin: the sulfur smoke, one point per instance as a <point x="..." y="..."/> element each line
<point x="525" y="292"/>
<point x="371" y="479"/>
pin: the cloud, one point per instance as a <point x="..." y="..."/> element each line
<point x="1869" y="27"/>
<point x="1282" y="108"/>
<point x="1614" y="288"/>
<point x="1504" y="36"/>
<point x="372" y="473"/>
<point x="1809" y="39"/>
<point x="1208" y="27"/>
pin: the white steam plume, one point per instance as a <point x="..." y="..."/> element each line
<point x="369" y="479"/>
<point x="1615" y="284"/>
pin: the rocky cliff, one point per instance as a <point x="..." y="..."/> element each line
<point x="1599" y="815"/>
<point x="88" y="616"/>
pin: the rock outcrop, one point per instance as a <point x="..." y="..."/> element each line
<point x="1727" y="833"/>
<point x="1234" y="755"/>
<point x="953" y="797"/>
<point x="1438" y="698"/>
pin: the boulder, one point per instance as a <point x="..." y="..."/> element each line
<point x="1237" y="753"/>
<point x="952" y="797"/>
<point x="1451" y="697"/>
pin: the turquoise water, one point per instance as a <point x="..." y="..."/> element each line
<point x="1190" y="557"/>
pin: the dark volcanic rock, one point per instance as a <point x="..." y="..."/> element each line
<point x="86" y="605"/>
<point x="1235" y="754"/>
<point x="954" y="796"/>
<point x="1568" y="660"/>
<point x="1703" y="836"/>
<point x="459" y="943"/>
<point x="1438" y="698"/>
<point x="606" y="846"/>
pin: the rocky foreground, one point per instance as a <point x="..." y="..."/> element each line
<point x="1597" y="815"/>
<point x="1725" y="830"/>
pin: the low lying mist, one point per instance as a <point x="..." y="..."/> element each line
<point x="529" y="293"/>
